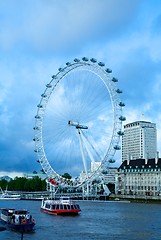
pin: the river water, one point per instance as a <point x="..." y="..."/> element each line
<point x="98" y="220"/>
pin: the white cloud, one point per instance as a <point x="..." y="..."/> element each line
<point x="11" y="174"/>
<point x="56" y="26"/>
<point x="37" y="39"/>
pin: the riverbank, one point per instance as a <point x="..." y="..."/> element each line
<point x="136" y="198"/>
<point x="38" y="196"/>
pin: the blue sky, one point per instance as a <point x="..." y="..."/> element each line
<point x="37" y="37"/>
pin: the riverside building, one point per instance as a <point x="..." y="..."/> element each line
<point x="139" y="177"/>
<point x="140" y="171"/>
<point x="139" y="141"/>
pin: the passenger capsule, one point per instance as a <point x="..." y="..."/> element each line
<point x="54" y="76"/>
<point x="39" y="161"/>
<point x="118" y="90"/>
<point x="112" y="160"/>
<point x="37" y="117"/>
<point x="76" y="60"/>
<point x="114" y="79"/>
<point x="120" y="133"/>
<point x="121" y="104"/>
<point x="44" y="95"/>
<point x="67" y="63"/>
<point x="35" y="139"/>
<point x="93" y="60"/>
<point x="117" y="147"/>
<point x="85" y="59"/>
<point x="101" y="64"/>
<point x="40" y="106"/>
<point x="122" y="118"/>
<point x="48" y="85"/>
<point x="108" y="70"/>
<point x="36" y="128"/>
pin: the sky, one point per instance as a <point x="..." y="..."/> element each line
<point x="37" y="37"/>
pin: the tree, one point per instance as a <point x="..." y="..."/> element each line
<point x="17" y="184"/>
<point x="111" y="187"/>
<point x="3" y="184"/>
<point x="25" y="184"/>
<point x="66" y="175"/>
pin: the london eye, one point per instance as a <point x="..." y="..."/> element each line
<point x="78" y="123"/>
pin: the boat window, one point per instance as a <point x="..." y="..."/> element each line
<point x="72" y="207"/>
<point x="47" y="205"/>
<point x="61" y="206"/>
<point x="9" y="214"/>
<point x="65" y="206"/>
<point x="77" y="206"/>
<point x="64" y="198"/>
<point x="5" y="212"/>
<point x="53" y="206"/>
<point x="20" y="212"/>
<point x="57" y="206"/>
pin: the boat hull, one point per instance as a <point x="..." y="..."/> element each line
<point x="24" y="227"/>
<point x="61" y="212"/>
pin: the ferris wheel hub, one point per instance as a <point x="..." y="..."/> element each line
<point x="77" y="125"/>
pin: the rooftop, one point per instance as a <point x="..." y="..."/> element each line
<point x="141" y="163"/>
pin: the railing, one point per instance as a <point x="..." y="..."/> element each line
<point x="79" y="196"/>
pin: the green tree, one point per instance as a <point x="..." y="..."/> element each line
<point x="3" y="184"/>
<point x="111" y="187"/>
<point x="25" y="184"/>
<point x="17" y="184"/>
<point x="66" y="175"/>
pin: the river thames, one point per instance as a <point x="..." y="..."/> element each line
<point x="98" y="220"/>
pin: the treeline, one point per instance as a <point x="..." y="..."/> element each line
<point x="33" y="184"/>
<point x="24" y="184"/>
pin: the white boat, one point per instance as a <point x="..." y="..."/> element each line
<point x="62" y="206"/>
<point x="5" y="195"/>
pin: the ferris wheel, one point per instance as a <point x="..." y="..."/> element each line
<point x="78" y="123"/>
